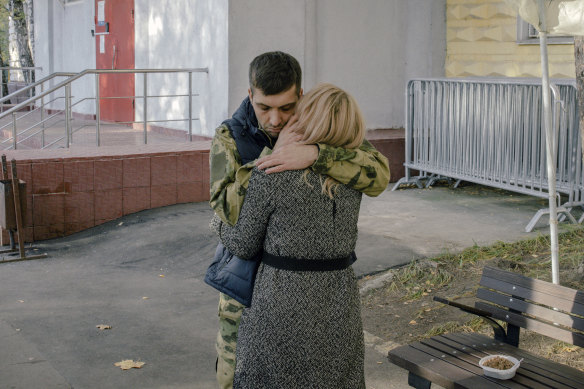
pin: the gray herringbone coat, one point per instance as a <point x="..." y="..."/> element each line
<point x="303" y="329"/>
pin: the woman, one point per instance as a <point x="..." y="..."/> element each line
<point x="303" y="329"/>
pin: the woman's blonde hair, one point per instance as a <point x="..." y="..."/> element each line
<point x="327" y="114"/>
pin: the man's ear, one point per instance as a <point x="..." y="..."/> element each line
<point x="250" y="94"/>
<point x="301" y="92"/>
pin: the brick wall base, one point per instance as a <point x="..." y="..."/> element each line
<point x="70" y="190"/>
<point x="391" y="143"/>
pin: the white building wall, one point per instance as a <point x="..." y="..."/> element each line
<point x="426" y="39"/>
<point x="368" y="47"/>
<point x="183" y="34"/>
<point x="256" y="27"/>
<point x="168" y="34"/>
<point x="63" y="43"/>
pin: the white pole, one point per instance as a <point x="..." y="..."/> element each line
<point x="550" y="153"/>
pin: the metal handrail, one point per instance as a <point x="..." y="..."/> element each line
<point x="34" y="85"/>
<point x="66" y="84"/>
<point x="29" y="113"/>
<point x="31" y="127"/>
<point x="96" y="71"/>
<point x="20" y="67"/>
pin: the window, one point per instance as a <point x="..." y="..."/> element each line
<point x="528" y="35"/>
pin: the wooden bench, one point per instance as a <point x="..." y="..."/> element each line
<point x="451" y="360"/>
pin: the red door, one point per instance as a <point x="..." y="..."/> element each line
<point x="114" y="45"/>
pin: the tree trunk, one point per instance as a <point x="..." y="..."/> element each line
<point x="3" y="72"/>
<point x="579" y="54"/>
<point x="19" y="47"/>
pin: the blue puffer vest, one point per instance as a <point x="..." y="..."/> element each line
<point x="228" y="273"/>
<point x="243" y="126"/>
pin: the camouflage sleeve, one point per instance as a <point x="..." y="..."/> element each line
<point x="364" y="169"/>
<point x="228" y="178"/>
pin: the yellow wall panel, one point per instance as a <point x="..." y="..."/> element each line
<point x="481" y="41"/>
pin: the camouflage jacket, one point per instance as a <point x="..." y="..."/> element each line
<point x="364" y="169"/>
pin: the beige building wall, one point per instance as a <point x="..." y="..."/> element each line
<point x="481" y="41"/>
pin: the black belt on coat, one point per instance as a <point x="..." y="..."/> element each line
<point x="296" y="264"/>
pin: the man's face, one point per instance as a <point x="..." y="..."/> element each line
<point x="274" y="111"/>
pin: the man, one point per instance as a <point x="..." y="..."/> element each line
<point x="263" y="127"/>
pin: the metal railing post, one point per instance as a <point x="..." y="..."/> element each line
<point x="42" y="117"/>
<point x="145" y="108"/>
<point x="67" y="114"/>
<point x="14" y="142"/>
<point x="29" y="82"/>
<point x="97" y="113"/>
<point x="69" y="123"/>
<point x="190" y="106"/>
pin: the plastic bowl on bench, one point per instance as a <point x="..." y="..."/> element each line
<point x="497" y="373"/>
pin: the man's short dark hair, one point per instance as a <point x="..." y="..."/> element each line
<point x="274" y="72"/>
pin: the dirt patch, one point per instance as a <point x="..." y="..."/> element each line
<point x="402" y="310"/>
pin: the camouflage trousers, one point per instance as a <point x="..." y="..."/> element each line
<point x="229" y="315"/>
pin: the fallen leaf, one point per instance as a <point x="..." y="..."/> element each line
<point x="379" y="363"/>
<point x="128" y="364"/>
<point x="161" y="275"/>
<point x="413" y="322"/>
<point x="145" y="298"/>
<point x="103" y="327"/>
<point x="120" y="223"/>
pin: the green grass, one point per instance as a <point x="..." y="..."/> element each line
<point x="474" y="324"/>
<point x="531" y="257"/>
<point x="417" y="282"/>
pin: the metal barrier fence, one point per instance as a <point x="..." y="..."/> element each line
<point x="489" y="132"/>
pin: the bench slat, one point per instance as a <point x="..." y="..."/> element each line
<point x="532" y="309"/>
<point x="453" y="357"/>
<point x="533" y="325"/>
<point x="527" y="374"/>
<point x="422" y="361"/>
<point x="520" y="379"/>
<point x="436" y="371"/>
<point x="489" y="345"/>
<point x="451" y="360"/>
<point x="566" y="374"/>
<point x="561" y="297"/>
<point x="540" y="297"/>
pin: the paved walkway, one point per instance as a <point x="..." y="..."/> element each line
<point x="143" y="275"/>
